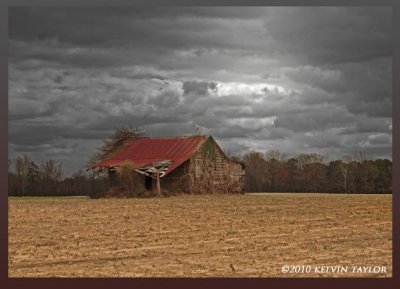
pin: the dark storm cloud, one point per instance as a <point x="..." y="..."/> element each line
<point x="162" y="27"/>
<point x="39" y="133"/>
<point x="334" y="34"/>
<point x="295" y="79"/>
<point x="315" y="118"/>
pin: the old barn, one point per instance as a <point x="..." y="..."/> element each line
<point x="188" y="164"/>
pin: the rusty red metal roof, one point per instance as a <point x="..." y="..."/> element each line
<point x="146" y="150"/>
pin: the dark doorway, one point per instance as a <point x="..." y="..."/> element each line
<point x="148" y="183"/>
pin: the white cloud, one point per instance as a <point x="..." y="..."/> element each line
<point x="252" y="123"/>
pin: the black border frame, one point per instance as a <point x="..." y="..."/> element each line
<point x="6" y="282"/>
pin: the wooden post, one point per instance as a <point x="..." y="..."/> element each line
<point x="158" y="184"/>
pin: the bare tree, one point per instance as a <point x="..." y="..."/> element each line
<point x="255" y="170"/>
<point x="21" y="173"/>
<point x="110" y="145"/>
<point x="344" y="169"/>
<point x="274" y="159"/>
<point x="361" y="156"/>
<point x="275" y="155"/>
<point x="51" y="174"/>
<point x="306" y="159"/>
<point x="318" y="158"/>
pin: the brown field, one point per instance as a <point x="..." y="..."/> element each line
<point x="199" y="236"/>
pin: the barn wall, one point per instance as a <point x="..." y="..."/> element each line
<point x="177" y="181"/>
<point x="222" y="172"/>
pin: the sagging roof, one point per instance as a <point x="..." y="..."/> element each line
<point x="146" y="150"/>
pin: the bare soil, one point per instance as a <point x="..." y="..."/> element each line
<point x="251" y="235"/>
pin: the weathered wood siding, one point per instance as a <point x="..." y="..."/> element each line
<point x="178" y="181"/>
<point x="223" y="171"/>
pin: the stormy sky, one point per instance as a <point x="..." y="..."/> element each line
<point x="299" y="79"/>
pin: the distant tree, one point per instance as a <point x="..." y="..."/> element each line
<point x="383" y="181"/>
<point x="360" y="156"/>
<point x="363" y="176"/>
<point x="344" y="169"/>
<point x="21" y="174"/>
<point x="275" y="168"/>
<point x="33" y="179"/>
<point x="255" y="171"/>
<point x="77" y="184"/>
<point x="314" y="177"/>
<point x="312" y="169"/>
<point x="275" y="155"/>
<point x="25" y="179"/>
<point x="51" y="175"/>
<point x="335" y="177"/>
<point x="372" y="174"/>
<point x="294" y="176"/>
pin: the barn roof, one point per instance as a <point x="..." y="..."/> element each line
<point x="147" y="150"/>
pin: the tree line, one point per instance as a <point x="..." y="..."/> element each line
<point x="26" y="178"/>
<point x="271" y="171"/>
<point x="265" y="172"/>
<point x="274" y="172"/>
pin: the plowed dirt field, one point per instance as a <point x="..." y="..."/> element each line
<point x="250" y="235"/>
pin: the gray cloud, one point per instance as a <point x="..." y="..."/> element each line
<point x="294" y="79"/>
<point x="332" y="35"/>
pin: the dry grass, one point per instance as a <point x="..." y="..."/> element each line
<point x="198" y="236"/>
